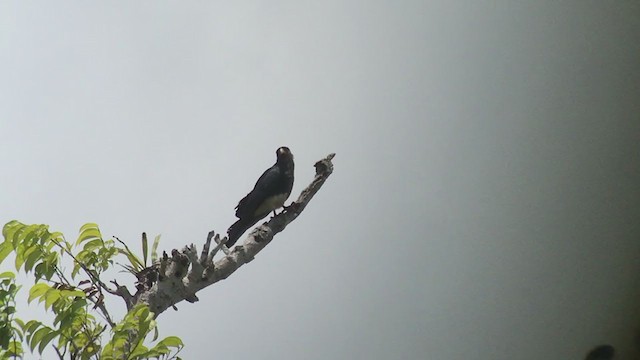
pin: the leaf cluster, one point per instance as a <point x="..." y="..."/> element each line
<point x="74" y="297"/>
<point x="10" y="344"/>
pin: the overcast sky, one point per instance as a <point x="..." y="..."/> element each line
<point x="484" y="199"/>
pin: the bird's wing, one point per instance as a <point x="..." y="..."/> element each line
<point x="266" y="184"/>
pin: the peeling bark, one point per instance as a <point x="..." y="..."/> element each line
<point x="180" y="276"/>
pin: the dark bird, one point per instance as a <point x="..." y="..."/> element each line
<point x="270" y="192"/>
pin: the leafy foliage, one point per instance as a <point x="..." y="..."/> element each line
<point x="10" y="336"/>
<point x="76" y="332"/>
<point x="130" y="333"/>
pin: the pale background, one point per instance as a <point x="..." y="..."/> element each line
<point x="485" y="199"/>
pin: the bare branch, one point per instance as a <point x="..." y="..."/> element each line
<point x="60" y="356"/>
<point x="183" y="274"/>
<point x="222" y="245"/>
<point x="122" y="291"/>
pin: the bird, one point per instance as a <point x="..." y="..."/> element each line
<point x="270" y="192"/>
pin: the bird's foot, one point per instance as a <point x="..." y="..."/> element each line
<point x="292" y="206"/>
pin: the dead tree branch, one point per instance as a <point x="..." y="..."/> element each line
<point x="184" y="273"/>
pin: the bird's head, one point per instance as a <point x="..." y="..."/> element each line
<point x="283" y="153"/>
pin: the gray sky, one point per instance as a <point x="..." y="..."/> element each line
<point x="484" y="202"/>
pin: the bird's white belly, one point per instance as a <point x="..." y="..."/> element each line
<point x="271" y="204"/>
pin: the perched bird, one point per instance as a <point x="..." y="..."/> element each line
<point x="270" y="192"/>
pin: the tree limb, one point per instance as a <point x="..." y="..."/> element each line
<point x="184" y="273"/>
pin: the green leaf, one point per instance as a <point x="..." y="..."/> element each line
<point x="38" y="336"/>
<point x="154" y="249"/>
<point x="9" y="230"/>
<point x="53" y="241"/>
<point x="44" y="270"/>
<point x="5" y="249"/>
<point x="30" y="235"/>
<point x="76" y="270"/>
<point x="144" y="314"/>
<point x="5" y="336"/>
<point x="13" y="288"/>
<point x="89" y="231"/>
<point x="133" y="260"/>
<point x="172" y="341"/>
<point x="18" y="330"/>
<point x="88" y="236"/>
<point x="107" y="350"/>
<point x="51" y="297"/>
<point x="7" y="275"/>
<point x="45" y="235"/>
<point x="46" y="339"/>
<point x="93" y="244"/>
<point x="62" y="317"/>
<point x="56" y="238"/>
<point x="32" y="255"/>
<point x="138" y="351"/>
<point x="17" y="234"/>
<point x="38" y="290"/>
<point x="79" y="303"/>
<point x="15" y="350"/>
<point x="73" y="293"/>
<point x="30" y="327"/>
<point x="51" y="259"/>
<point x="19" y="261"/>
<point x="88" y="226"/>
<point x="145" y="246"/>
<point x="156" y="352"/>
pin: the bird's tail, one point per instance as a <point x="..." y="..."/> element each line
<point x="237" y="229"/>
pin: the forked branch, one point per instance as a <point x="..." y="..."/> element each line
<point x="180" y="276"/>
